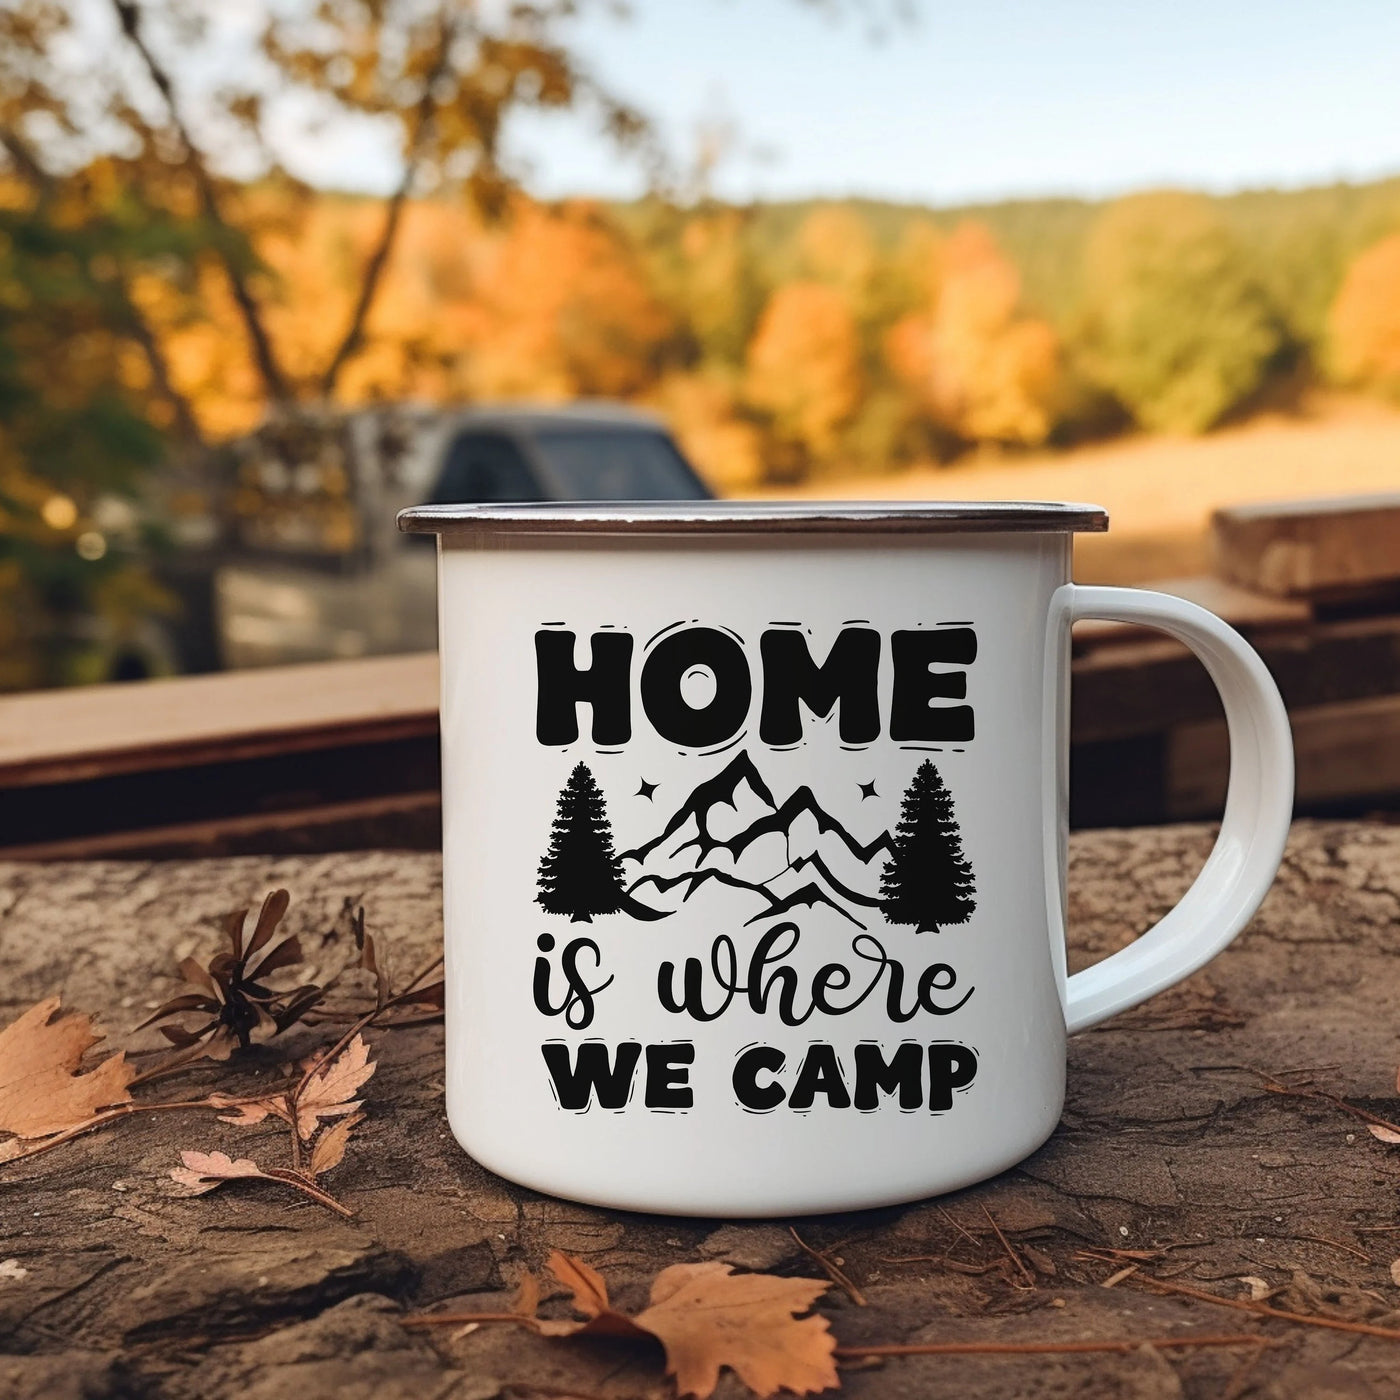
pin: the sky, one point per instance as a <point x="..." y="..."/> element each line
<point x="976" y="99"/>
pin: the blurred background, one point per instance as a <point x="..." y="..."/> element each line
<point x="1145" y="257"/>
<point x="272" y="269"/>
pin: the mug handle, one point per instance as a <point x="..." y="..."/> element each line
<point x="1258" y="805"/>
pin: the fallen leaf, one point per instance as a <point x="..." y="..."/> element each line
<point x="203" y="1171"/>
<point x="329" y="1093"/>
<point x="583" y="1281"/>
<point x="247" y="1113"/>
<point x="369" y="960"/>
<point x="707" y="1317"/>
<point x="41" y="1090"/>
<point x="1395" y="1272"/>
<point x="1259" y="1288"/>
<point x="527" y="1295"/>
<point x="432" y="996"/>
<point x="13" y="1270"/>
<point x="329" y="1151"/>
<point x="1385" y="1134"/>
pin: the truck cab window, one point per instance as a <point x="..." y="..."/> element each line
<point x="485" y="467"/>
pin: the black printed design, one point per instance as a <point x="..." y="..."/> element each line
<point x="581" y="876"/>
<point x="836" y="872"/>
<point x="927" y="881"/>
<point x="781" y="888"/>
<point x="923" y="878"/>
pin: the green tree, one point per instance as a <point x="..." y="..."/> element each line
<point x="927" y="880"/>
<point x="581" y="875"/>
<point x="77" y="443"/>
<point x="1176" y="324"/>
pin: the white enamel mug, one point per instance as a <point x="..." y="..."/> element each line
<point x="754" y="843"/>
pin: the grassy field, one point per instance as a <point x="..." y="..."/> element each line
<point x="1160" y="492"/>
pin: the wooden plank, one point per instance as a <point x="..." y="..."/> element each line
<point x="1345" y="753"/>
<point x="410" y="820"/>
<point x="1243" y="608"/>
<point x="1138" y="688"/>
<point x="96" y="731"/>
<point x="1321" y="549"/>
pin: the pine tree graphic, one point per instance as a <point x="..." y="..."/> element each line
<point x="927" y="880"/>
<point x="580" y="875"/>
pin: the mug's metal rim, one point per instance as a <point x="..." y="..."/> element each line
<point x="755" y="517"/>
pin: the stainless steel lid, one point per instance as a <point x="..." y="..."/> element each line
<point x="755" y="517"/>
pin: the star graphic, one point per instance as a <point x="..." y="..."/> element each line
<point x="867" y="790"/>
<point x="646" y="789"/>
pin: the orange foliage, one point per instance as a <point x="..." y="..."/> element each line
<point x="563" y="311"/>
<point x="835" y="247"/>
<point x="804" y="364"/>
<point x="1364" y="322"/>
<point x="205" y="348"/>
<point x="551" y="305"/>
<point x="704" y="412"/>
<point x="977" y="366"/>
<point x="559" y="302"/>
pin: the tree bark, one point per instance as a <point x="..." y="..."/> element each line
<point x="353" y="338"/>
<point x="137" y="327"/>
<point x="1174" y="1161"/>
<point x="275" y="382"/>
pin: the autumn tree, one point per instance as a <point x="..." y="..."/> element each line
<point x="705" y="409"/>
<point x="927" y="880"/>
<point x="580" y="875"/>
<point x="835" y="246"/>
<point x="1176" y="324"/>
<point x="443" y="76"/>
<point x="976" y="363"/>
<point x="562" y="309"/>
<point x="804" y="368"/>
<point x="1363" y="325"/>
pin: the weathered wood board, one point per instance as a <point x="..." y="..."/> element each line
<point x="1331" y="548"/>
<point x="120" y="1289"/>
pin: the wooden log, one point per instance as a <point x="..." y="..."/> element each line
<point x="1172" y="1155"/>
<point x="1317" y="549"/>
<point x="94" y="732"/>
<point x="1345" y="754"/>
<point x="1149" y="687"/>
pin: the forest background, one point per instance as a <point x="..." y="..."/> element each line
<point x="791" y="341"/>
<point x="166" y="283"/>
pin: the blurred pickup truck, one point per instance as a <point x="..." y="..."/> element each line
<point x="315" y="567"/>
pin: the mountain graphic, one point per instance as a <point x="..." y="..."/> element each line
<point x="699" y="848"/>
<point x="871" y="901"/>
<point x="809" y="896"/>
<point x="693" y="879"/>
<point x="722" y="789"/>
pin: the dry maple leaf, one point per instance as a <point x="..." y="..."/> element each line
<point x="248" y="1113"/>
<point x="329" y="1092"/>
<point x="707" y="1317"/>
<point x="203" y="1171"/>
<point x="41" y="1090"/>
<point x="330" y="1147"/>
